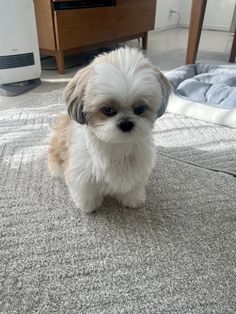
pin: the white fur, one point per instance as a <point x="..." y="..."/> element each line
<point x="97" y="169"/>
<point x="103" y="160"/>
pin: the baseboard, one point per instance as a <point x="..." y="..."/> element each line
<point x="164" y="28"/>
<point x="208" y="27"/>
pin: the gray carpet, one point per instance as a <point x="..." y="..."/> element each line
<point x="176" y="255"/>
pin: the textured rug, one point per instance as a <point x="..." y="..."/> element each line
<point x="176" y="255"/>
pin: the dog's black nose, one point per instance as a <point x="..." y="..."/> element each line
<point x="125" y="125"/>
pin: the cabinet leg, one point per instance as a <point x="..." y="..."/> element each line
<point x="233" y="49"/>
<point x="195" y="28"/>
<point x="60" y="61"/>
<point x="145" y="41"/>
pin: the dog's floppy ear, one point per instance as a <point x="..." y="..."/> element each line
<point x="74" y="93"/>
<point x="165" y="90"/>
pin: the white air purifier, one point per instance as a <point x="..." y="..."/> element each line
<point x="20" y="66"/>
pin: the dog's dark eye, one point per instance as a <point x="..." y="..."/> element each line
<point x="108" y="111"/>
<point x="140" y="109"/>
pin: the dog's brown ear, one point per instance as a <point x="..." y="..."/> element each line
<point x="165" y="90"/>
<point x="74" y="93"/>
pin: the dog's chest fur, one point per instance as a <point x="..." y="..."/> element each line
<point x="122" y="166"/>
<point x="117" y="168"/>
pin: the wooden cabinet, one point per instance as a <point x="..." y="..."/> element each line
<point x="71" y="31"/>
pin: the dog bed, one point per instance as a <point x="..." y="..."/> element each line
<point x="205" y="92"/>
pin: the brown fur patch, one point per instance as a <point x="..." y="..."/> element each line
<point x="58" y="146"/>
<point x="98" y="117"/>
<point x="74" y="93"/>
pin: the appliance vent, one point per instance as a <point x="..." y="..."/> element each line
<point x="16" y="61"/>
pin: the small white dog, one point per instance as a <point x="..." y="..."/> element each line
<point x="105" y="147"/>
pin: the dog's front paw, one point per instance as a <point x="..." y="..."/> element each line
<point x="87" y="196"/>
<point x="89" y="206"/>
<point x="133" y="199"/>
<point x="133" y="203"/>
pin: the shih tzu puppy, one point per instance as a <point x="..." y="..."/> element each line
<point x="104" y="145"/>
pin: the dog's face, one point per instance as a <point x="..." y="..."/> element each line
<point x="118" y="96"/>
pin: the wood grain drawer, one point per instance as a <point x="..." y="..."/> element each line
<point x="77" y="28"/>
<point x="134" y="16"/>
<point x="84" y="27"/>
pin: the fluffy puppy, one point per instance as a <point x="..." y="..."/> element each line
<point x="104" y="145"/>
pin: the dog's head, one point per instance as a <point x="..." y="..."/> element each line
<point x="118" y="96"/>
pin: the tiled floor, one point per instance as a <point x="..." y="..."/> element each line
<point x="212" y="41"/>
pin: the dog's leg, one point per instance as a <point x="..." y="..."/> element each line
<point x="87" y="196"/>
<point x="134" y="198"/>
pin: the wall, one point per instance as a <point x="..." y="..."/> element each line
<point x="162" y="12"/>
<point x="218" y="14"/>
